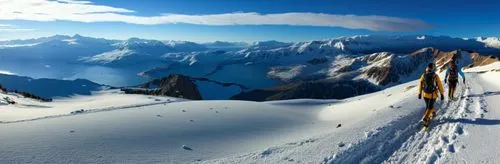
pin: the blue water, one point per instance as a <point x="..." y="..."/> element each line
<point x="249" y="75"/>
<point x="253" y="76"/>
<point x="99" y="74"/>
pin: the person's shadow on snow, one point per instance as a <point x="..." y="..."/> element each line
<point x="477" y="121"/>
<point x="489" y="93"/>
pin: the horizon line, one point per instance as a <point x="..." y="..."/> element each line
<point x="249" y="42"/>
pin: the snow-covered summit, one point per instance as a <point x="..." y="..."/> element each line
<point x="225" y="45"/>
<point x="269" y="44"/>
<point x="492" y="42"/>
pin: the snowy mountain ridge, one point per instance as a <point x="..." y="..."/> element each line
<point x="259" y="65"/>
<point x="349" y="45"/>
<point x="492" y="42"/>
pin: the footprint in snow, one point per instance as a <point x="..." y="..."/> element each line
<point x="265" y="153"/>
<point x="158" y="115"/>
<point x="288" y="159"/>
<point x="71" y="131"/>
<point x="186" y="148"/>
<point x="451" y="148"/>
<point x="183" y="110"/>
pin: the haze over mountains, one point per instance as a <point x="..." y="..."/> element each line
<point x="275" y="68"/>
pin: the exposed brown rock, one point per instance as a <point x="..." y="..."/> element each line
<point x="174" y="85"/>
<point x="481" y="60"/>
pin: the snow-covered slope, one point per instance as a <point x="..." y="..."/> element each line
<point x="185" y="46"/>
<point x="225" y="45"/>
<point x="382" y="127"/>
<point x="58" y="47"/>
<point x="140" y="51"/>
<point x="486" y="68"/>
<point x="27" y="109"/>
<point x="131" y="51"/>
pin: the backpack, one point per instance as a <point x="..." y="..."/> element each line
<point x="453" y="74"/>
<point x="429" y="82"/>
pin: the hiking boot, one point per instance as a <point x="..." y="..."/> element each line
<point x="425" y="122"/>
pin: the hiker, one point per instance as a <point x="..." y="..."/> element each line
<point x="430" y="84"/>
<point x="452" y="79"/>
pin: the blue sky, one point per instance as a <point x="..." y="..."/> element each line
<point x="246" y="20"/>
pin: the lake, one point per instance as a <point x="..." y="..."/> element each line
<point x="69" y="71"/>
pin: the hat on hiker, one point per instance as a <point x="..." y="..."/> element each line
<point x="430" y="67"/>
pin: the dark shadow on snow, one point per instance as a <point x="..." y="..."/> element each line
<point x="485" y="94"/>
<point x="478" y="121"/>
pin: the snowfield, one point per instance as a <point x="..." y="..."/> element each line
<point x="381" y="127"/>
<point x="29" y="109"/>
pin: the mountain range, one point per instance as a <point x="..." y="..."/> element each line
<point x="269" y="69"/>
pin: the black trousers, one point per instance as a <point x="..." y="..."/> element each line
<point x="452" y="83"/>
<point x="429" y="103"/>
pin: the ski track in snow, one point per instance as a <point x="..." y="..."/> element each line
<point x="87" y="111"/>
<point x="403" y="141"/>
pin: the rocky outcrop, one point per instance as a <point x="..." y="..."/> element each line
<point x="390" y="69"/>
<point x="482" y="60"/>
<point x="174" y="85"/>
<point x="194" y="88"/>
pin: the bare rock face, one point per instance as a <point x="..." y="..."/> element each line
<point x="481" y="60"/>
<point x="179" y="86"/>
<point x="389" y="68"/>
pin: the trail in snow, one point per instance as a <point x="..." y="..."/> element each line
<point x="402" y="140"/>
<point x="87" y="111"/>
<point x="482" y="123"/>
<point x="429" y="147"/>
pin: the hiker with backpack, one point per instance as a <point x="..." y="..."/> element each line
<point x="430" y="85"/>
<point x="452" y="78"/>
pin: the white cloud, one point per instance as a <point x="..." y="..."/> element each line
<point x="74" y="1"/>
<point x="12" y="28"/>
<point x="6" y="72"/>
<point x="86" y="11"/>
